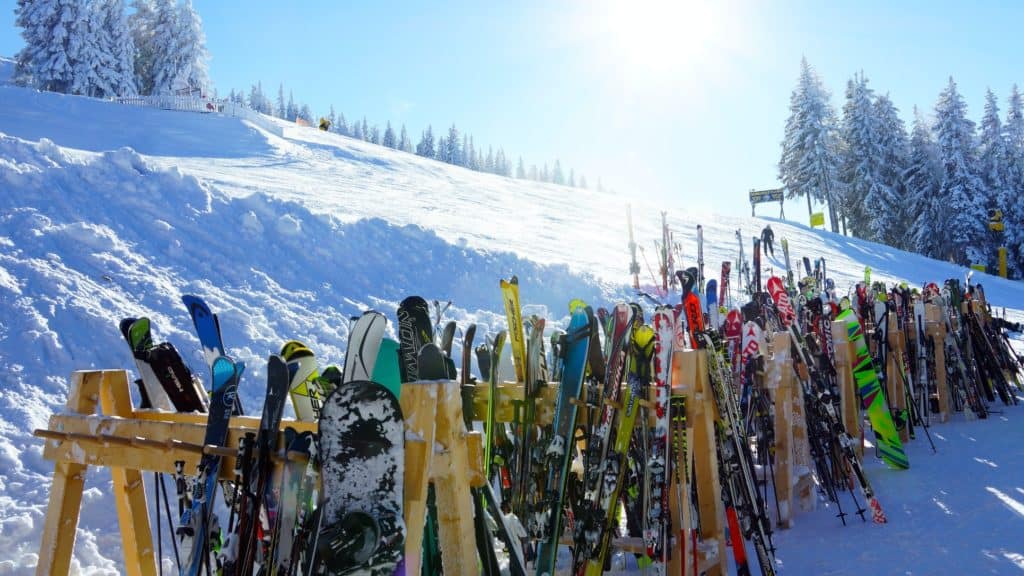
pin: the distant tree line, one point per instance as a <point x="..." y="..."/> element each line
<point x="453" y="147"/>
<point x="96" y="48"/>
<point x="931" y="190"/>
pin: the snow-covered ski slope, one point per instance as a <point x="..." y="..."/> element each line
<point x="109" y="211"/>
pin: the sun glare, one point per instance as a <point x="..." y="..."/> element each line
<point x="658" y="37"/>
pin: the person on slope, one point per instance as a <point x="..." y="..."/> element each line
<point x="768" y="240"/>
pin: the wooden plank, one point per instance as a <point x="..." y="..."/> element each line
<point x="895" y="386"/>
<point x="128" y="489"/>
<point x="690" y="371"/>
<point x="62" y="512"/>
<point x="935" y="328"/>
<point x="780" y="373"/>
<point x="849" y="401"/>
<point x="451" y="485"/>
<point x="419" y="406"/>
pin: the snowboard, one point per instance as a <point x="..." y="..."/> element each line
<point x="362" y="455"/>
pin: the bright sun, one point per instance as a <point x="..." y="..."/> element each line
<point x="656" y="39"/>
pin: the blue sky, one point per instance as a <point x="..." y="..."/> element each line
<point x="682" y="102"/>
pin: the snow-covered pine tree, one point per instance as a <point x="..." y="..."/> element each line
<point x="389" y="137"/>
<point x="306" y="113"/>
<point x="809" y="164"/>
<point x="892" y="215"/>
<point x="121" y="72"/>
<point x="281" y="110"/>
<point x="442" y="150"/>
<point x="520" y="169"/>
<point x="193" y="73"/>
<point x="342" y="126"/>
<point x="357" y="131"/>
<point x="46" y="27"/>
<point x="425" y="147"/>
<point x="167" y="53"/>
<point x="453" y="153"/>
<point x="923" y="177"/>
<point x="86" y="53"/>
<point x="489" y="160"/>
<point x="374" y="135"/>
<point x="993" y="162"/>
<point x="961" y="188"/>
<point x="572" y="178"/>
<point x="501" y="164"/>
<point x="1014" y="214"/>
<point x="860" y="159"/>
<point x="332" y="119"/>
<point x="403" y="141"/>
<point x="365" y="130"/>
<point x="291" y="111"/>
<point x="545" y="176"/>
<point x="583" y="181"/>
<point x="534" y="174"/>
<point x="469" y="149"/>
<point x="141" y="23"/>
<point x="556" y="174"/>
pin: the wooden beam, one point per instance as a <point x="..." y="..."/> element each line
<point x="62" y="513"/>
<point x="128" y="488"/>
<point x="419" y="407"/>
<point x="451" y="483"/>
<point x="780" y="380"/>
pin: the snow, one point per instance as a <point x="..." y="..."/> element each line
<point x="110" y="211"/>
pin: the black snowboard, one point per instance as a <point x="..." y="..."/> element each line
<point x="362" y="451"/>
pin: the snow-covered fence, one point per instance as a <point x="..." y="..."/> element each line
<point x="204" y="105"/>
<point x="172" y="102"/>
<point x="261" y="120"/>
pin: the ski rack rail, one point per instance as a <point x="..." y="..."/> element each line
<point x="100" y="427"/>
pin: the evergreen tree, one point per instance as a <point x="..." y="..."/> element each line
<point x="467" y="151"/>
<point x="472" y="157"/>
<point x="282" y="110"/>
<point x="545" y="176"/>
<point x="453" y="155"/>
<point x="425" y="147"/>
<point x="366" y="129"/>
<point x="520" y="170"/>
<point x="403" y="141"/>
<point x="1013" y="215"/>
<point x="572" y="178"/>
<point x="993" y="164"/>
<point x="291" y="111"/>
<point x="306" y="114"/>
<point x="891" y="215"/>
<point x="923" y="177"/>
<point x="389" y="137"/>
<point x="331" y="120"/>
<point x="583" y="181"/>
<point x="556" y="174"/>
<point x="443" y="151"/>
<point x="961" y="187"/>
<point x="121" y="73"/>
<point x="504" y="168"/>
<point x="342" y="126"/>
<point x="860" y="195"/>
<point x="166" y="48"/>
<point x="375" y="135"/>
<point x="46" y="27"/>
<point x="810" y="149"/>
<point x="193" y="72"/>
<point x="489" y="160"/>
<point x="357" y="131"/>
<point x="141" y="23"/>
<point x="87" y="52"/>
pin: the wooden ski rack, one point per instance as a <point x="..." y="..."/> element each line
<point x="130" y="441"/>
<point x="101" y="428"/>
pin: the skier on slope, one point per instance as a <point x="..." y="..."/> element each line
<point x="768" y="240"/>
